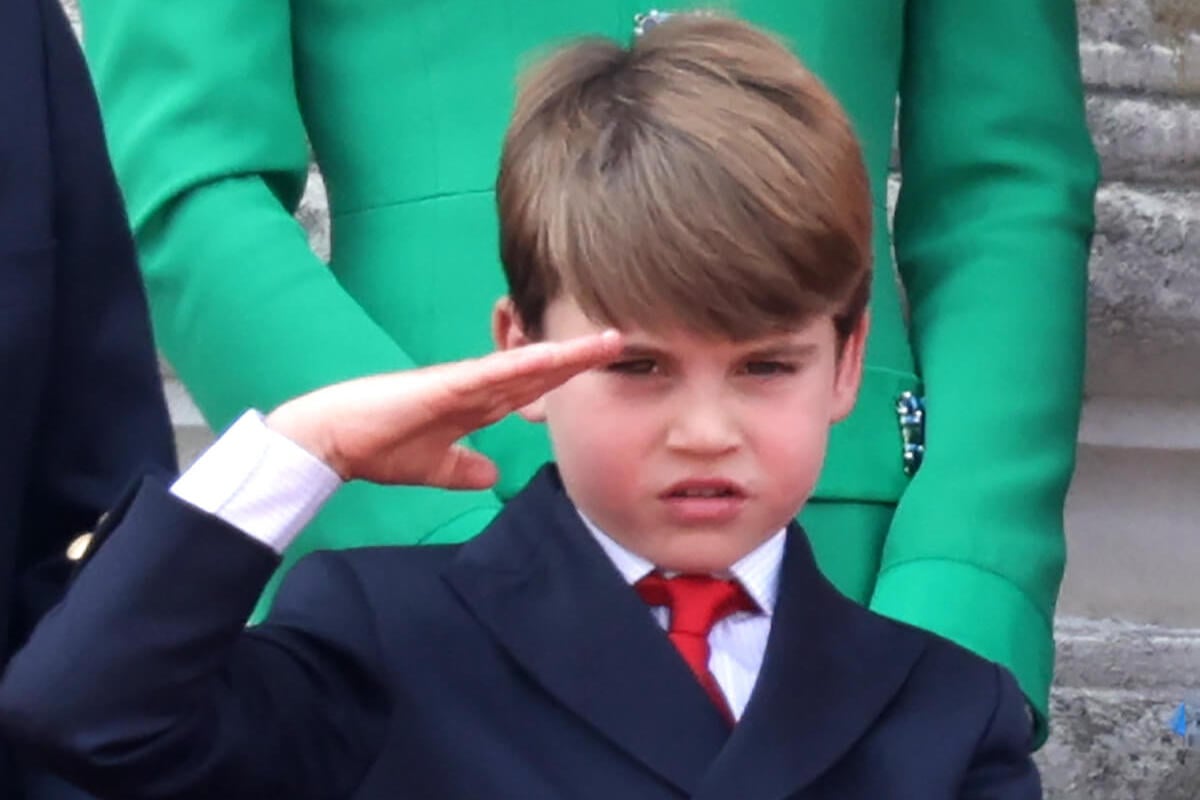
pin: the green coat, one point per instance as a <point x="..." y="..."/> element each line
<point x="210" y="109"/>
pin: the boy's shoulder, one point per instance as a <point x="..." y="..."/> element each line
<point x="388" y="569"/>
<point x="947" y="675"/>
<point x="403" y="584"/>
<point x="938" y="652"/>
<point x="371" y="594"/>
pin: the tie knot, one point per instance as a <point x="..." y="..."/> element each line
<point x="696" y="602"/>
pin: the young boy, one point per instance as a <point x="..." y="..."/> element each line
<point x="703" y="195"/>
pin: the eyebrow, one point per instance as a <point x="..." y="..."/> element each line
<point x="641" y="351"/>
<point x="783" y="350"/>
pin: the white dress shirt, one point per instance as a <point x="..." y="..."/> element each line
<point x="260" y="481"/>
<point x="265" y="484"/>
<point x="738" y="642"/>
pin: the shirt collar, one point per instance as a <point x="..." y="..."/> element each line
<point x="757" y="571"/>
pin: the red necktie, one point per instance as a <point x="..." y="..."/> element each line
<point x="696" y="603"/>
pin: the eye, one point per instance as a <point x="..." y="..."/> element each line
<point x="634" y="366"/>
<point x="767" y="369"/>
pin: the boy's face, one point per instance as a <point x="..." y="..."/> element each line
<point x="692" y="451"/>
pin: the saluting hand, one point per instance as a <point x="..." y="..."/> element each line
<point x="405" y="427"/>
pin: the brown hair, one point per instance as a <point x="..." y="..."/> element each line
<point x="702" y="176"/>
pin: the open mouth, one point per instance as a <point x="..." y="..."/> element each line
<point x="704" y="501"/>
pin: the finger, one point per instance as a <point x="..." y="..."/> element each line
<point x="562" y="366"/>
<point x="581" y="352"/>
<point x="464" y="468"/>
<point x="544" y="364"/>
<point x="481" y="391"/>
<point x="502" y="398"/>
<point x="520" y="393"/>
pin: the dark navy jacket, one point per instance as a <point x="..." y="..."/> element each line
<point x="81" y="404"/>
<point x="518" y="665"/>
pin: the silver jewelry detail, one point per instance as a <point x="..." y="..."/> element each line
<point x="647" y="20"/>
<point x="910" y="411"/>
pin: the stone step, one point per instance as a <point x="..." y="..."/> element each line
<point x="1147" y="247"/>
<point x="1116" y="690"/>
<point x="1147" y="139"/>
<point x="1144" y="294"/>
<point x="1113" y="745"/>
<point x="1121" y="656"/>
<point x="1151" y="68"/>
<point x="1139" y="23"/>
<point x="1131" y="530"/>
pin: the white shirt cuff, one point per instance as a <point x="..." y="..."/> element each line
<point x="258" y="480"/>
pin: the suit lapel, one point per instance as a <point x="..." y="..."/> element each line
<point x="544" y="589"/>
<point x="830" y="669"/>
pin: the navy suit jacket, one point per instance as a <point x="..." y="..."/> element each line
<point x="517" y="665"/>
<point x="81" y="404"/>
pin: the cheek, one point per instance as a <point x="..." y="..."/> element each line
<point x="598" y="444"/>
<point x="790" y="442"/>
<point x="590" y="423"/>
<point x="800" y="445"/>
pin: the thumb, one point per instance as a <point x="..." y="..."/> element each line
<point x="466" y="469"/>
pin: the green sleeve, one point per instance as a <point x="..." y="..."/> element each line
<point x="992" y="234"/>
<point x="210" y="148"/>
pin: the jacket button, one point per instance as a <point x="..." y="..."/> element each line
<point x="78" y="549"/>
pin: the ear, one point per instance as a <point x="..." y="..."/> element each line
<point x="848" y="372"/>
<point x="508" y="333"/>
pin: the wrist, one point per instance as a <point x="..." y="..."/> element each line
<point x="304" y="433"/>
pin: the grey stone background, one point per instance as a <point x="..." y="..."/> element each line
<point x="1129" y="623"/>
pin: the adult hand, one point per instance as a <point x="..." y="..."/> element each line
<point x="405" y="427"/>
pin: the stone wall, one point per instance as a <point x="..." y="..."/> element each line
<point x="1141" y="59"/>
<point x="1132" y="516"/>
<point x="1133" y="507"/>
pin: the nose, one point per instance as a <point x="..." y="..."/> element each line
<point x="703" y="425"/>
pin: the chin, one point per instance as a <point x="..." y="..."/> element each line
<point x="711" y="551"/>
<point x="699" y="561"/>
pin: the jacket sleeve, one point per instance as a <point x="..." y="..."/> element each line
<point x="144" y="684"/>
<point x="992" y="233"/>
<point x="1002" y="767"/>
<point x="209" y="144"/>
